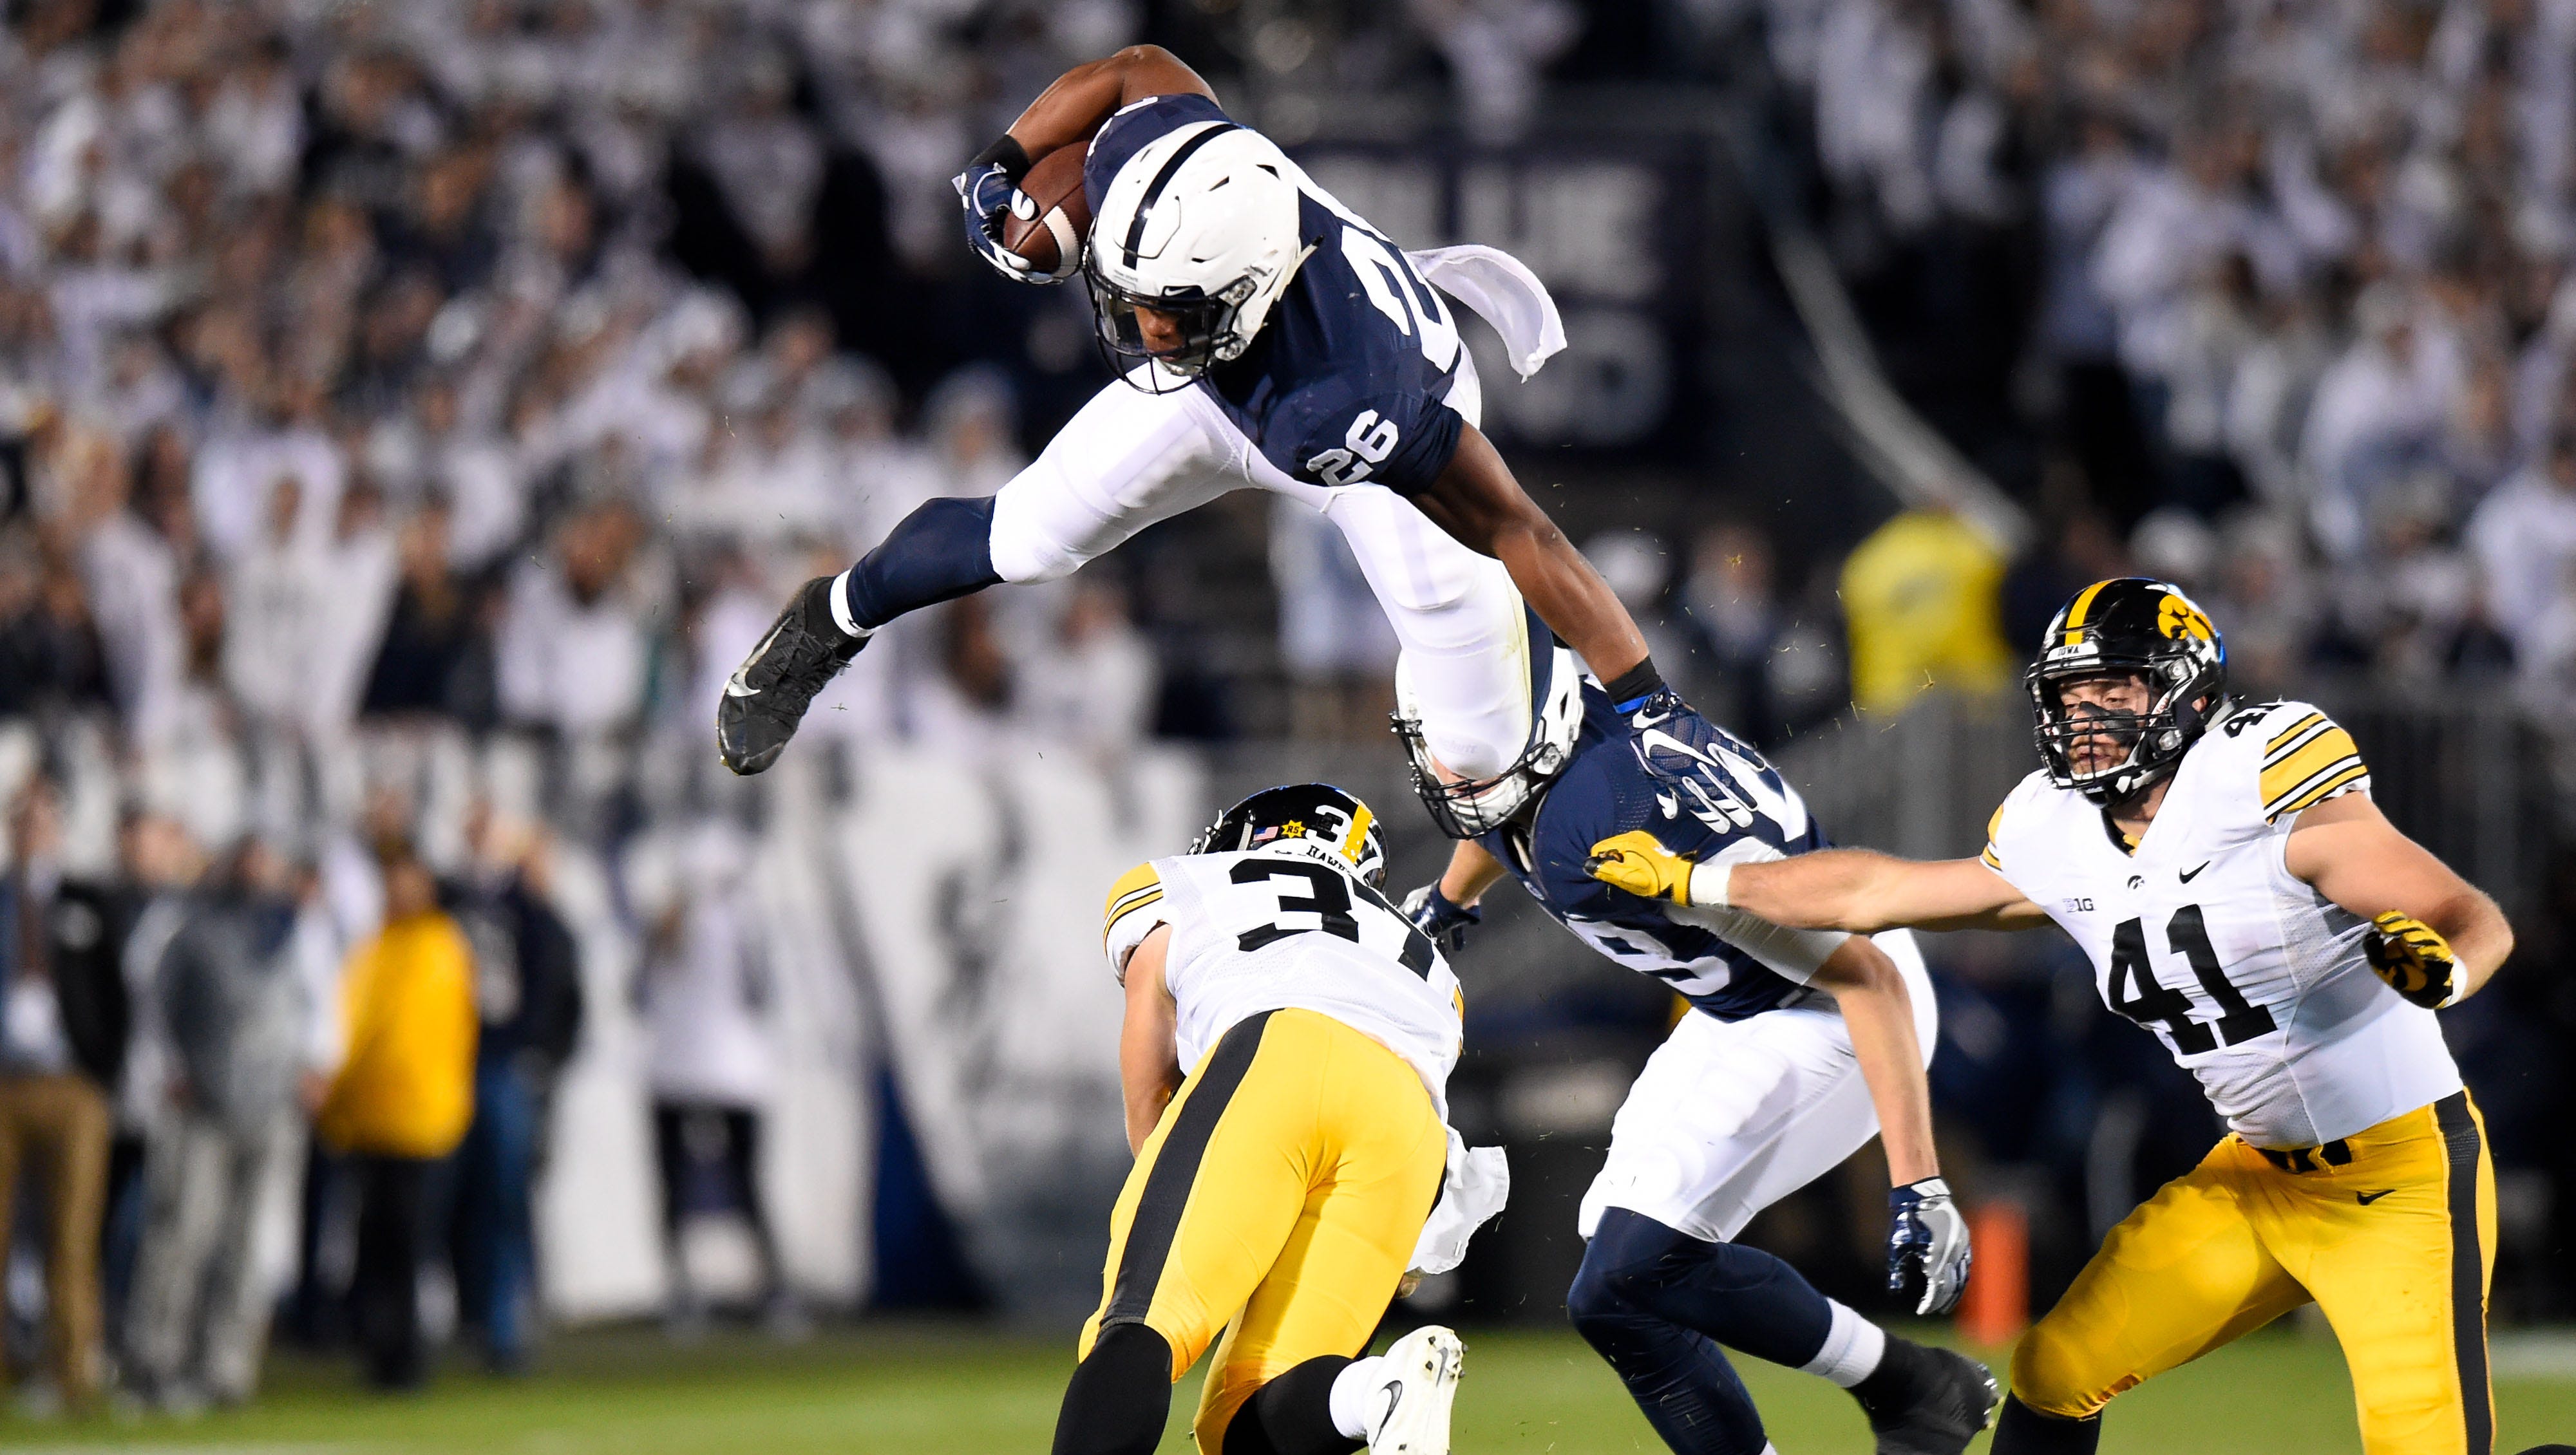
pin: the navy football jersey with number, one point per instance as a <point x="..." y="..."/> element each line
<point x="1704" y="794"/>
<point x="1348" y="381"/>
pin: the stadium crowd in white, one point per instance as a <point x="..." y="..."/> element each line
<point x="2302" y="305"/>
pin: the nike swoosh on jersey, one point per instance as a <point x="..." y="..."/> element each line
<point x="2195" y="869"/>
<point x="2367" y="1198"/>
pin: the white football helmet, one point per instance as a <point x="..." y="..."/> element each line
<point x="1202" y="225"/>
<point x="1465" y="808"/>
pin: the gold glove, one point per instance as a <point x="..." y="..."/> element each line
<point x="1639" y="863"/>
<point x="2414" y="959"/>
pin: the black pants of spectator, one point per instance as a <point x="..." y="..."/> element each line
<point x="689" y="1135"/>
<point x="393" y="1212"/>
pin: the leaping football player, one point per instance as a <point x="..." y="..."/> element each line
<point x="1267" y="336"/>
<point x="1797" y="1047"/>
<point x="1281" y="1191"/>
<point x="2239" y="895"/>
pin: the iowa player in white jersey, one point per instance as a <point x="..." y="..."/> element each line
<point x="2241" y="897"/>
<point x="1284" y="1188"/>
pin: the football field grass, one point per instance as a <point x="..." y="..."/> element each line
<point x="880" y="1390"/>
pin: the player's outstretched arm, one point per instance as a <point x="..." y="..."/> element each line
<point x="1864" y="891"/>
<point x="1927" y="1247"/>
<point x="2437" y="939"/>
<point x="1149" y="1060"/>
<point x="1476" y="500"/>
<point x="1878" y="1008"/>
<point x="1072" y="109"/>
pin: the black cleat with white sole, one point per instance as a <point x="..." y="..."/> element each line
<point x="1925" y="1401"/>
<point x="767" y="695"/>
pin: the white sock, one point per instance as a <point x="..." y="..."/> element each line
<point x="840" y="596"/>
<point x="1853" y="1347"/>
<point x="1355" y="1394"/>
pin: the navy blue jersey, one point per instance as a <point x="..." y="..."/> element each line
<point x="1698" y="789"/>
<point x="1348" y="381"/>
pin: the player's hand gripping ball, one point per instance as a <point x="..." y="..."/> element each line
<point x="1639" y="863"/>
<point x="1927" y="1246"/>
<point x="2414" y="959"/>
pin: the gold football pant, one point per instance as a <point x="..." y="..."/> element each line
<point x="2391" y="1231"/>
<point x="1283" y="1190"/>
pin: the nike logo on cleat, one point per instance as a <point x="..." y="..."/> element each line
<point x="736" y="687"/>
<point x="2195" y="869"/>
<point x="1394" y="1393"/>
<point x="2367" y="1198"/>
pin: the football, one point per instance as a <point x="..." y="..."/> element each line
<point x="1058" y="216"/>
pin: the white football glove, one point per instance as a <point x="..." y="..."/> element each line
<point x="1927" y="1246"/>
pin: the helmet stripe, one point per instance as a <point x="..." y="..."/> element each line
<point x="1154" y="189"/>
<point x="2075" y="614"/>
<point x="1354" y="842"/>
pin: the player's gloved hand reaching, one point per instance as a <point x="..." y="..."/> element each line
<point x="1927" y="1246"/>
<point x="1434" y="915"/>
<point x="2414" y="959"/>
<point x="989" y="188"/>
<point x="1637" y="862"/>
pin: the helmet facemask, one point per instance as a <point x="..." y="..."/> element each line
<point x="1209" y="329"/>
<point x="2149" y="745"/>
<point x="1465" y="808"/>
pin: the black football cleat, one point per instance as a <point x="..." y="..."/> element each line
<point x="767" y="695"/>
<point x="1934" y="1403"/>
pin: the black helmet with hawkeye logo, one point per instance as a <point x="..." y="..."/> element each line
<point x="1315" y="818"/>
<point x="2127" y="626"/>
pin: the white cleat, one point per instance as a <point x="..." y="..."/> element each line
<point x="1412" y="1416"/>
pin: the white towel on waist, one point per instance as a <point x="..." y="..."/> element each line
<point x="1504" y="292"/>
<point x="1472" y="1190"/>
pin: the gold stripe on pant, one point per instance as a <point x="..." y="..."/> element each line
<point x="2391" y="1231"/>
<point x="1279" y="1199"/>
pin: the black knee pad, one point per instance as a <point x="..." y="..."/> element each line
<point x="1120" y="1395"/>
<point x="1291" y="1415"/>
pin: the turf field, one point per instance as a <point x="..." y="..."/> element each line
<point x="914" y="1390"/>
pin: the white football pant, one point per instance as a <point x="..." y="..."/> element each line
<point x="1729" y="1117"/>
<point x="1130" y="458"/>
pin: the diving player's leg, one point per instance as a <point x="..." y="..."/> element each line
<point x="2402" y="1276"/>
<point x="2182" y="1275"/>
<point x="1287" y="1379"/>
<point x="1725" y="1119"/>
<point x="1468" y="639"/>
<point x="1632" y="1301"/>
<point x="1213" y="1196"/>
<point x="1125" y="461"/>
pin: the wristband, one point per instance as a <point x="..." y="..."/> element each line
<point x="1008" y="154"/>
<point x="1709" y="883"/>
<point x="1634" y="685"/>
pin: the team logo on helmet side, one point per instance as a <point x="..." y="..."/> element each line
<point x="2177" y="618"/>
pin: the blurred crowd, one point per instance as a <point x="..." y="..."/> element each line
<point x="2272" y="296"/>
<point x="355" y="418"/>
